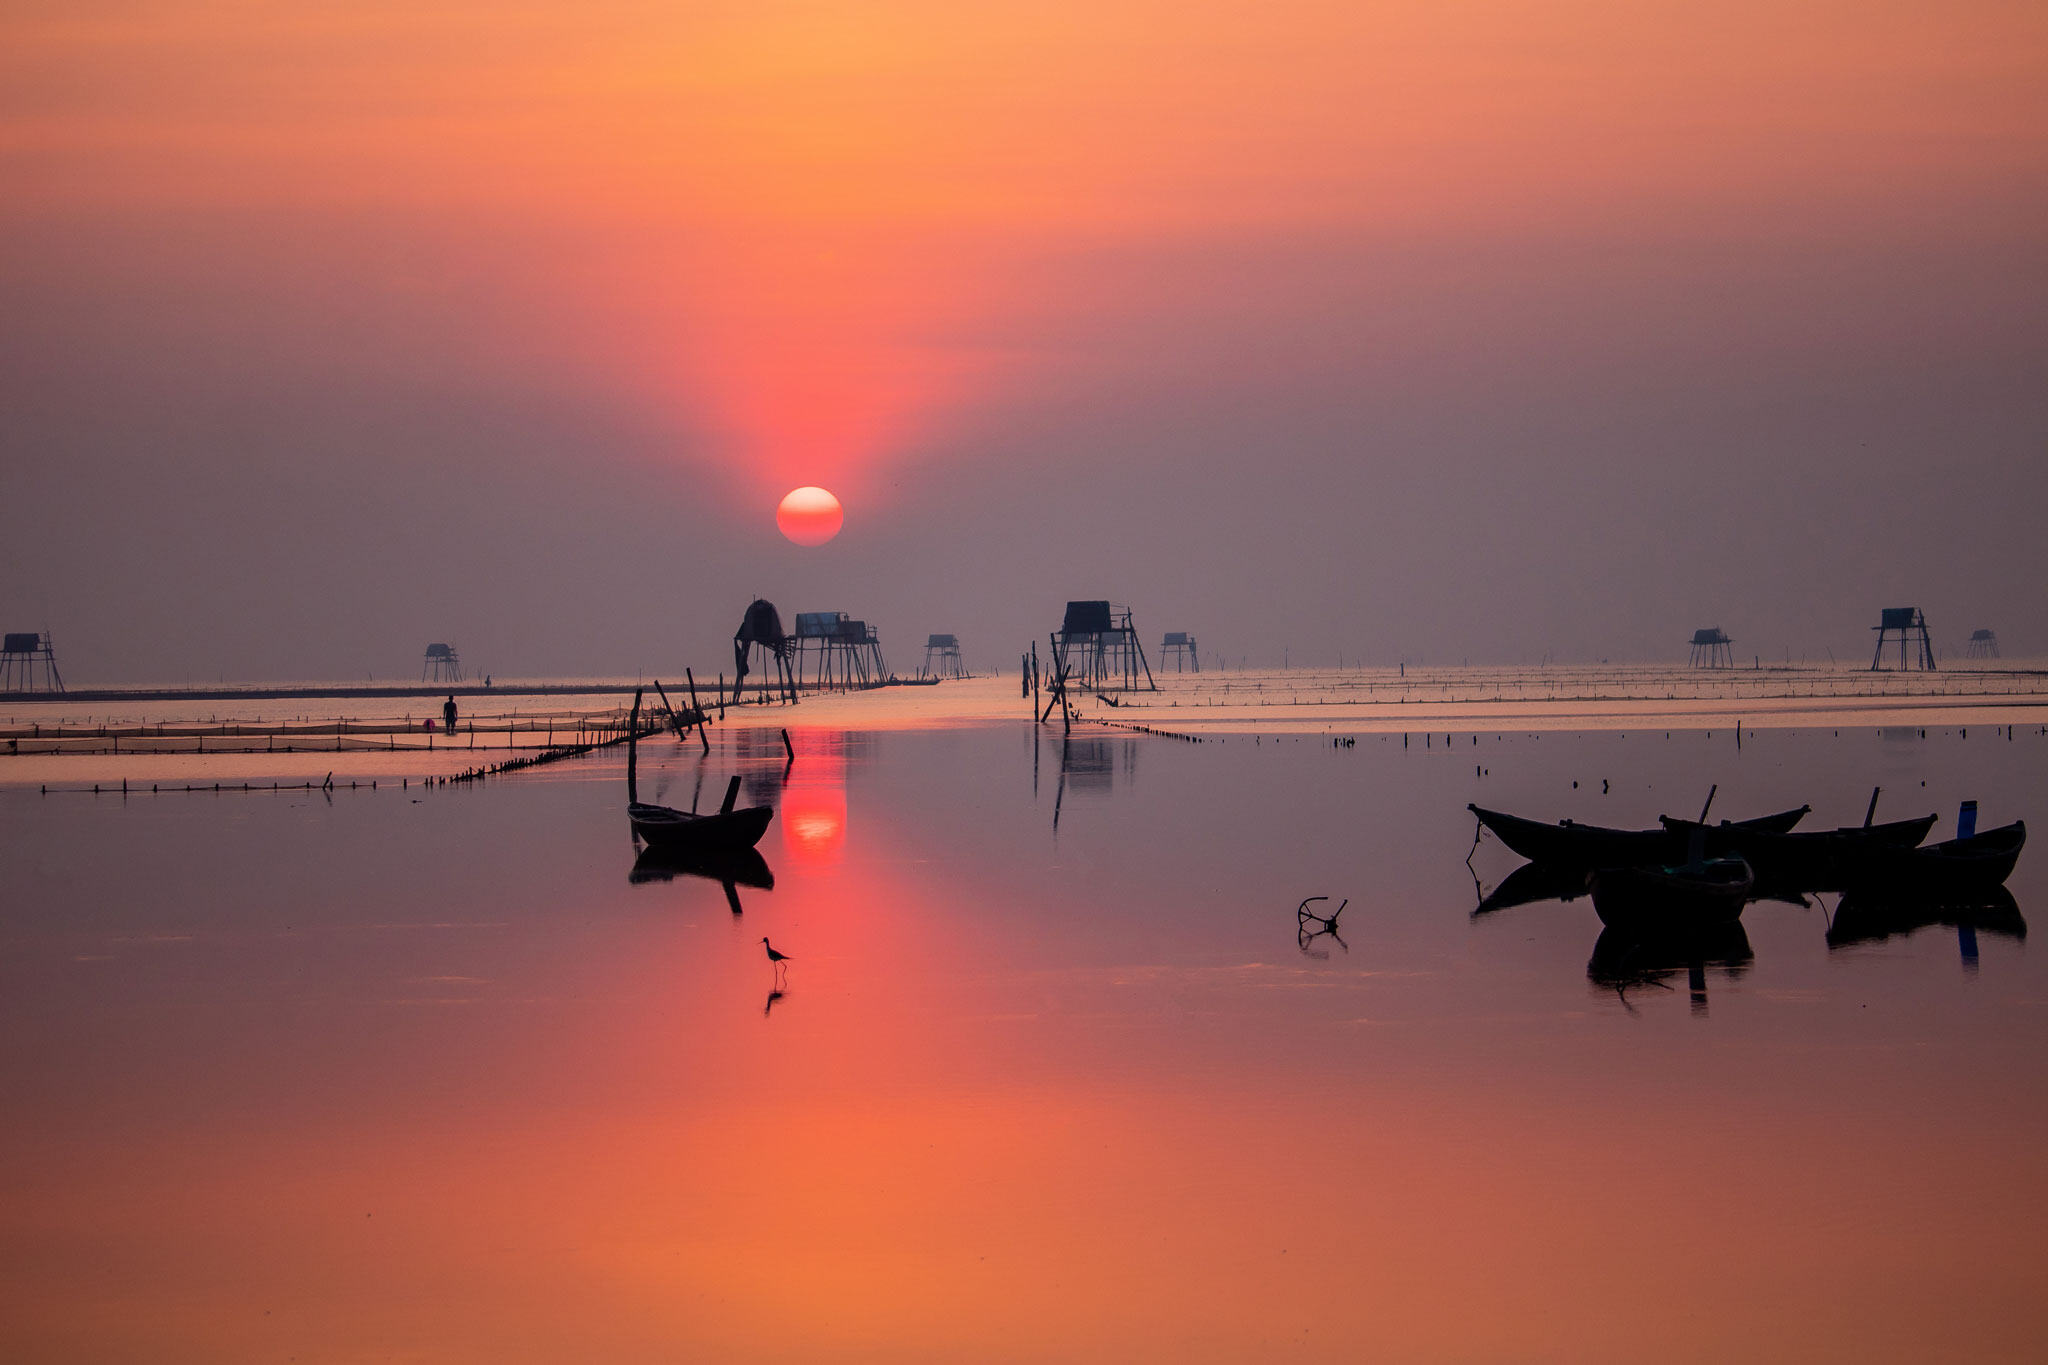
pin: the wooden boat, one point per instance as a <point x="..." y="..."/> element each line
<point x="1651" y="901"/>
<point x="1955" y="870"/>
<point x="1811" y="860"/>
<point x="1594" y="846"/>
<point x="728" y="830"/>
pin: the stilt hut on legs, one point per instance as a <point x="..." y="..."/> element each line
<point x="28" y="663"/>
<point x="442" y="663"/>
<point x="759" y="645"/>
<point x="942" y="657"/>
<point x="1097" y="647"/>
<point x="1711" y="648"/>
<point x="1909" y="624"/>
<point x="838" y="651"/>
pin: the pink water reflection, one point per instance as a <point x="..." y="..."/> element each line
<point x="436" y="1080"/>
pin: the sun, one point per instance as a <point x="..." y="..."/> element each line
<point x="809" y="515"/>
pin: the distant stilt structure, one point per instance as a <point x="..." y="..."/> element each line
<point x="1983" y="644"/>
<point x="443" y="663"/>
<point x="1910" y="625"/>
<point x="942" y="657"/>
<point x="1711" y="648"/>
<point x="1180" y="647"/>
<point x="1096" y="647"/>
<point x="28" y="663"/>
<point x="761" y="630"/>
<point x="840" y="651"/>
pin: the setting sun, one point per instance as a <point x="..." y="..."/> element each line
<point x="809" y="515"/>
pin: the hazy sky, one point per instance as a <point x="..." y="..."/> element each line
<point x="1431" y="330"/>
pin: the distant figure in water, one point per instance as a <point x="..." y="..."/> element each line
<point x="487" y="680"/>
<point x="448" y="713"/>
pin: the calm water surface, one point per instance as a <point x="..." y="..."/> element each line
<point x="428" y="1076"/>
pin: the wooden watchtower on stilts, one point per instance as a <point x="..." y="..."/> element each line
<point x="839" y="650"/>
<point x="759" y="644"/>
<point x="442" y="662"/>
<point x="1180" y="647"/>
<point x="942" y="657"/>
<point x="1711" y="648"/>
<point x="1910" y="625"/>
<point x="23" y="656"/>
<point x="1983" y="644"/>
<point x="1096" y="647"/>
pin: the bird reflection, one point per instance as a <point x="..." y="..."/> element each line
<point x="773" y="996"/>
<point x="1623" y="962"/>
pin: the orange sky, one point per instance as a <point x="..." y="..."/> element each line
<point x="1309" y="281"/>
<point x="791" y="226"/>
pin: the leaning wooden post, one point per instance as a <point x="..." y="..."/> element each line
<point x="674" y="723"/>
<point x="698" y="710"/>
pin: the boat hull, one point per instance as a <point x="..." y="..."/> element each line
<point x="1959" y="868"/>
<point x="1820" y="860"/>
<point x="1661" y="901"/>
<point x="726" y="831"/>
<point x="1593" y="846"/>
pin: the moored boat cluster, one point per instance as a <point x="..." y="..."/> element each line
<point x="1688" y="877"/>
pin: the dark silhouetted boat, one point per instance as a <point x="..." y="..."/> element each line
<point x="1813" y="860"/>
<point x="1571" y="844"/>
<point x="1952" y="871"/>
<point x="1672" y="899"/>
<point x="726" y="831"/>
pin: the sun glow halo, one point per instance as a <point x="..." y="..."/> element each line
<point x="809" y="515"/>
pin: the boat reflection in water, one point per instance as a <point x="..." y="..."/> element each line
<point x="1622" y="962"/>
<point x="1533" y="882"/>
<point x="1865" y="918"/>
<point x="1641" y="955"/>
<point x="732" y="870"/>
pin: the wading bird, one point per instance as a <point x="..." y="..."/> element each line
<point x="775" y="959"/>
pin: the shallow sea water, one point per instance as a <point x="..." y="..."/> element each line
<point x="425" y="1075"/>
